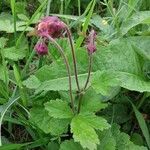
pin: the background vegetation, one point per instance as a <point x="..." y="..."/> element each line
<point x="119" y="89"/>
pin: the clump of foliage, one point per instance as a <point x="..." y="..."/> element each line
<point x="75" y="75"/>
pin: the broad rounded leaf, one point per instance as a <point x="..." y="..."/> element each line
<point x="123" y="79"/>
<point x="137" y="18"/>
<point x="15" y="53"/>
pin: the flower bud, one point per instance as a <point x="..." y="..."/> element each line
<point x="90" y="45"/>
<point x="41" y="48"/>
<point x="50" y="26"/>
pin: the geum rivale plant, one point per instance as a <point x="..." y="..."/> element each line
<point x="76" y="118"/>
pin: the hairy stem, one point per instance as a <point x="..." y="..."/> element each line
<point x="86" y="83"/>
<point x="73" y="56"/>
<point x="80" y="102"/>
<point x="89" y="71"/>
<point x="67" y="67"/>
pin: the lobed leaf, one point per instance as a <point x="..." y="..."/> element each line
<point x="84" y="133"/>
<point x="83" y="128"/>
<point x="58" y="109"/>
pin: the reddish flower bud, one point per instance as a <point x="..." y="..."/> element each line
<point x="50" y="26"/>
<point x="41" y="48"/>
<point x="91" y="46"/>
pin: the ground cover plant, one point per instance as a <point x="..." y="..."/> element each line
<point x="75" y="75"/>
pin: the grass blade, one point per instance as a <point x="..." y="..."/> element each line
<point x="142" y="124"/>
<point x="86" y="23"/>
<point x="4" y="110"/>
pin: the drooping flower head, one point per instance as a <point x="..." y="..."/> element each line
<point x="91" y="45"/>
<point x="41" y="48"/>
<point x="50" y="26"/>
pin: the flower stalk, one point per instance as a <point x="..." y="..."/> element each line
<point x="89" y="72"/>
<point x="86" y="83"/>
<point x="91" y="48"/>
<point x="73" y="56"/>
<point x="67" y="67"/>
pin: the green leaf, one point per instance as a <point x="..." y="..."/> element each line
<point x="133" y="82"/>
<point x="3" y="42"/>
<point x="23" y="17"/>
<point x="119" y="55"/>
<point x="113" y="139"/>
<point x="32" y="83"/>
<point x="70" y="145"/>
<point x="83" y="128"/>
<point x="53" y="146"/>
<point x="39" y="116"/>
<point x="84" y="133"/>
<point x="92" y="102"/>
<point x="123" y="140"/>
<point x="142" y="125"/>
<point x="137" y="18"/>
<point x="103" y="81"/>
<point x="136" y="138"/>
<point x="141" y="47"/>
<point x="59" y="126"/>
<point x="108" y="142"/>
<point x="120" y="113"/>
<point x="61" y="84"/>
<point x="94" y="121"/>
<point x="14" y="53"/>
<point x="6" y="24"/>
<point x="58" y="109"/>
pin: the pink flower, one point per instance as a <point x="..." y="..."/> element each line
<point x="91" y="46"/>
<point x="50" y="26"/>
<point x="41" y="48"/>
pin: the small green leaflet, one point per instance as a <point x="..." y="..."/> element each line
<point x="83" y="128"/>
<point x="58" y="109"/>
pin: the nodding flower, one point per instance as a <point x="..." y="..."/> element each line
<point x="90" y="44"/>
<point x="50" y="26"/>
<point x="41" y="48"/>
